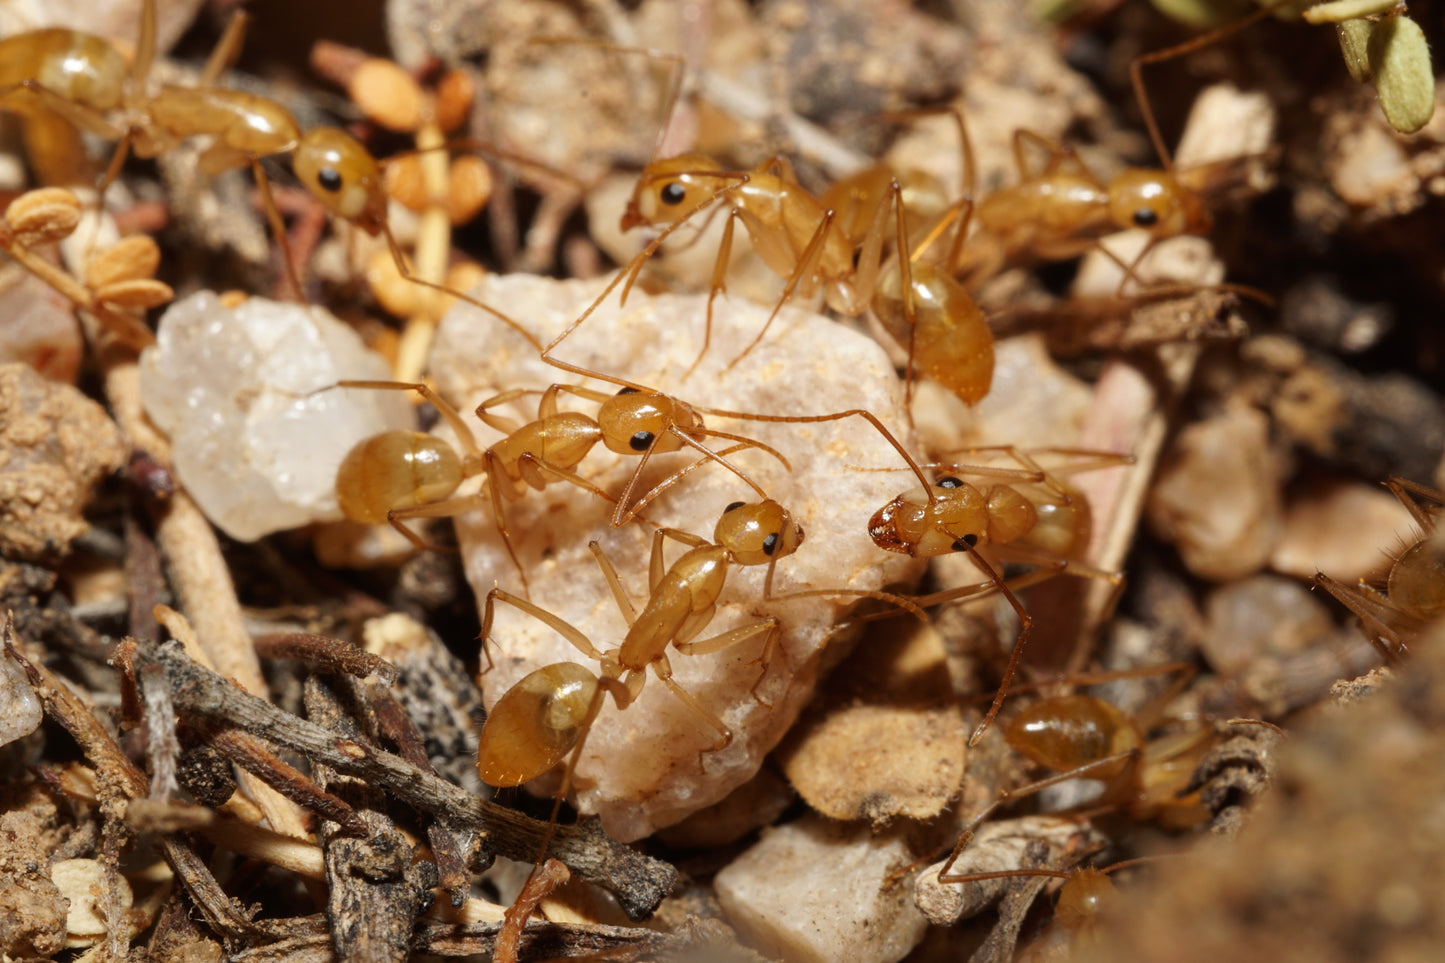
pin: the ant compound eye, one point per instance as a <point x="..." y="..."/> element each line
<point x="965" y="543"/>
<point x="673" y="194"/>
<point x="627" y="391"/>
<point x="329" y="179"/>
<point x="733" y="507"/>
<point x="642" y="441"/>
<point x="770" y="544"/>
<point x="1146" y="217"/>
<point x="950" y="482"/>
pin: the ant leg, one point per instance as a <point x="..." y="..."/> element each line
<point x="609" y="572"/>
<point x="278" y="228"/>
<point x="1375" y="614"/>
<point x="663" y="668"/>
<point x="1407" y="492"/>
<point x="730" y="638"/>
<point x="1059" y="156"/>
<point x="506" y="426"/>
<point x="562" y="627"/>
<point x="1008" y="795"/>
<point x="541" y="882"/>
<point x="225" y="53"/>
<point x="443" y="407"/>
<point x="446" y="508"/>
<point x="807" y="264"/>
<point x="719" y="286"/>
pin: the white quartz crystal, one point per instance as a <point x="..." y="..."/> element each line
<point x="232" y="387"/>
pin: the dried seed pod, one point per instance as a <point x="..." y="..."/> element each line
<point x="1354" y="41"/>
<point x="133" y="258"/>
<point x="404" y="182"/>
<point x="44" y="216"/>
<point x="388" y="95"/>
<point x="469" y="187"/>
<point x="143" y="293"/>
<point x="1400" y="59"/>
<point x="454" y="95"/>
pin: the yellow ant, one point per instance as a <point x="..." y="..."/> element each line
<point x="403" y="474"/>
<point x="543" y="716"/>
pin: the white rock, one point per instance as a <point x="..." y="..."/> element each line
<point x="20" y="711"/>
<point x="641" y="768"/>
<point x="82" y="882"/>
<point x="231" y="388"/>
<point x="813" y="890"/>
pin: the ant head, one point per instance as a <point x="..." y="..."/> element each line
<point x="343" y="176"/>
<point x="758" y="533"/>
<point x="672" y="189"/>
<point x="536" y="722"/>
<point x="949" y="516"/>
<point x="1157" y="202"/>
<point x="634" y="421"/>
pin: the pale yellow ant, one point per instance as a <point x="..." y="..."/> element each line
<point x="1059" y="209"/>
<point x="403" y="474"/>
<point x="543" y="716"/>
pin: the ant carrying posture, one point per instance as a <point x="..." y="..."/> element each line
<point x="1415" y="588"/>
<point x="398" y="475"/>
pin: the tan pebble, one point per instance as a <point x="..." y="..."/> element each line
<point x="1342" y="527"/>
<point x="1217" y="497"/>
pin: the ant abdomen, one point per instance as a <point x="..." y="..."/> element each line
<point x="76" y="66"/>
<point x="536" y="723"/>
<point x="1061" y="527"/>
<point x="395" y="470"/>
<point x="1070" y="731"/>
<point x="952" y="343"/>
<point x="1417" y="581"/>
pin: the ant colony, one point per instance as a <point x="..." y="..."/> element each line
<point x="788" y="384"/>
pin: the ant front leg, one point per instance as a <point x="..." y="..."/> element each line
<point x="663" y="668"/>
<point x="730" y="638"/>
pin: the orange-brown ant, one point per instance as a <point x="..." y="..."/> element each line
<point x="1415" y="588"/>
<point x="404" y="474"/>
